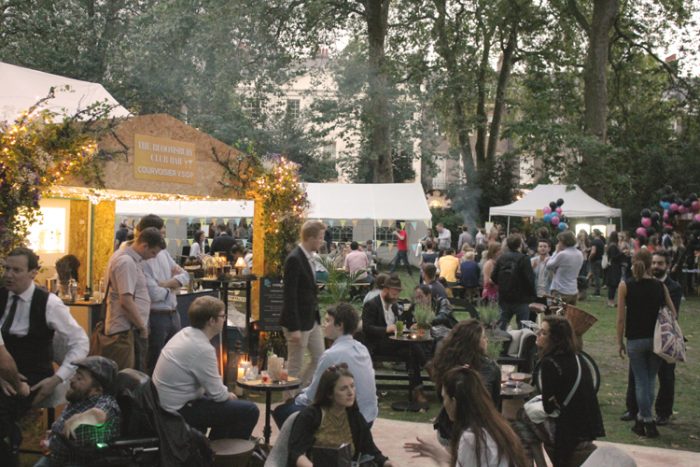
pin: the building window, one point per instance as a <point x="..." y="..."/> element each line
<point x="385" y="235"/>
<point x="340" y="233"/>
<point x="293" y="108"/>
<point x="253" y="107"/>
<point x="329" y="151"/>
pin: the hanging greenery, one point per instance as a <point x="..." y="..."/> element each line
<point x="284" y="204"/>
<point x="38" y="153"/>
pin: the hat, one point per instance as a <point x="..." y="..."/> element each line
<point x="393" y="282"/>
<point x="102" y="369"/>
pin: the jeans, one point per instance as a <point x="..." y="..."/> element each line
<point x="597" y="271"/>
<point x="313" y="339"/>
<point x="163" y="326"/>
<point x="401" y="256"/>
<point x="227" y="419"/>
<point x="645" y="366"/>
<point x="283" y="411"/>
<point x="664" y="398"/>
<point x="520" y="310"/>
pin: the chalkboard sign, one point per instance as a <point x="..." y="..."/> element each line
<point x="271" y="299"/>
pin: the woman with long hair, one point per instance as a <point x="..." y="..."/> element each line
<point x="580" y="421"/>
<point x="332" y="420"/>
<point x="466" y="344"/>
<point x="481" y="436"/>
<point x="197" y="248"/>
<point x="583" y="243"/>
<point x="638" y="303"/>
<point x="490" y="290"/>
<point x="614" y="270"/>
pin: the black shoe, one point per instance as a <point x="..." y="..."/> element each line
<point x="638" y="427"/>
<point x="650" y="430"/>
<point x="627" y="417"/>
<point x="662" y="421"/>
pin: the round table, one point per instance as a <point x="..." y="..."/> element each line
<point x="407" y="339"/>
<point x="268" y="389"/>
<point x="513" y="399"/>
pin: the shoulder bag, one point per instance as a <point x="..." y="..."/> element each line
<point x="669" y="343"/>
<point x="534" y="408"/>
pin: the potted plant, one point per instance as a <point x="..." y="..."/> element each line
<point x="423" y="315"/>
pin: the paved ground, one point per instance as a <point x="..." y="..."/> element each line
<point x="390" y="435"/>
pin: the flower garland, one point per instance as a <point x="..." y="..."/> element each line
<point x="284" y="203"/>
<point x="36" y="155"/>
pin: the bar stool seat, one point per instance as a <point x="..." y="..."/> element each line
<point x="232" y="452"/>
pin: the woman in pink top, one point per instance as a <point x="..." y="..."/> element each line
<point x="490" y="290"/>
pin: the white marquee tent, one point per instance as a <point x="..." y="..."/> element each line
<point x="577" y="204"/>
<point x="20" y="88"/>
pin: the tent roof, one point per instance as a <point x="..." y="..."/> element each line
<point x="576" y="203"/>
<point x="20" y="88"/>
<point x="328" y="201"/>
<point x="367" y="201"/>
<point x="189" y="208"/>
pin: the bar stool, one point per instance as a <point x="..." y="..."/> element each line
<point x="232" y="452"/>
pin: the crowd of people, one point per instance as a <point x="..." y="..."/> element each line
<point x="337" y="403"/>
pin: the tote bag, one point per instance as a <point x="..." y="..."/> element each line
<point x="668" y="337"/>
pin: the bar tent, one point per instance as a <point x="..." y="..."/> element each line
<point x="577" y="203"/>
<point x="21" y="88"/>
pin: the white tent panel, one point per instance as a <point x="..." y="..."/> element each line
<point x="576" y="203"/>
<point x="404" y="201"/>
<point x="196" y="209"/>
<point x="20" y="88"/>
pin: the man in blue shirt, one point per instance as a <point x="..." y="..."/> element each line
<point x="340" y="324"/>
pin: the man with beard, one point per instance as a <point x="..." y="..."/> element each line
<point x="379" y="318"/>
<point x="667" y="371"/>
<point x="91" y="416"/>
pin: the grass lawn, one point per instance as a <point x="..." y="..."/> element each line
<point x="600" y="342"/>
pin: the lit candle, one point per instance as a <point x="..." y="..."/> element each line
<point x="241" y="373"/>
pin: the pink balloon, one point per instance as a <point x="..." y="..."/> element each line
<point x="697" y="217"/>
<point x="682" y="209"/>
<point x="668" y="226"/>
<point x="555" y="221"/>
<point x="547" y="210"/>
<point x="674" y="207"/>
<point x="558" y="211"/>
<point x="641" y="232"/>
<point x="646" y="221"/>
<point x="695" y="206"/>
<point x="665" y="215"/>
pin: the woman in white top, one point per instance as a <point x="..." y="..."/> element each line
<point x="197" y="248"/>
<point x="481" y="436"/>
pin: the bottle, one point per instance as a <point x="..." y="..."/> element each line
<point x="73" y="287"/>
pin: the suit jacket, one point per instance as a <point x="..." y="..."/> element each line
<point x="300" y="307"/>
<point x="373" y="321"/>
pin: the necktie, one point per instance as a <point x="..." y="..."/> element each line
<point x="11" y="316"/>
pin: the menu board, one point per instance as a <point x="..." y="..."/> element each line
<point x="271" y="300"/>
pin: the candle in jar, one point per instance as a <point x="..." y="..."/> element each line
<point x="241" y="373"/>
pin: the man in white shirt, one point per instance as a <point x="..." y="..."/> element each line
<point x="187" y="377"/>
<point x="30" y="317"/>
<point x="543" y="277"/>
<point x="444" y="238"/>
<point x="164" y="279"/>
<point x="565" y="264"/>
<point x="339" y="326"/>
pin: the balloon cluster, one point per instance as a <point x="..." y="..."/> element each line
<point x="673" y="206"/>
<point x="554" y="215"/>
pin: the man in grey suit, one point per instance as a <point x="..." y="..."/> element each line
<point x="300" y="318"/>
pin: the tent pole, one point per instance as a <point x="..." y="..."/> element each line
<point x="508" y="228"/>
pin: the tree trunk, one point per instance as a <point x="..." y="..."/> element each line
<point x="482" y="120"/>
<point x="595" y="73"/>
<point x="500" y="101"/>
<point x="377" y="13"/>
<point x="459" y="120"/>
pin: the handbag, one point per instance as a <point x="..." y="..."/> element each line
<point x="604" y="263"/>
<point x="669" y="343"/>
<point x="534" y="408"/>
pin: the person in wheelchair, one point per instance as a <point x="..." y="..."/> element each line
<point x="92" y="416"/>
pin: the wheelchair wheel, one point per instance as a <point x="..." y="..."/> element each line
<point x="589" y="362"/>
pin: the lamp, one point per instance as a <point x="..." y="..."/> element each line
<point x="240" y="265"/>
